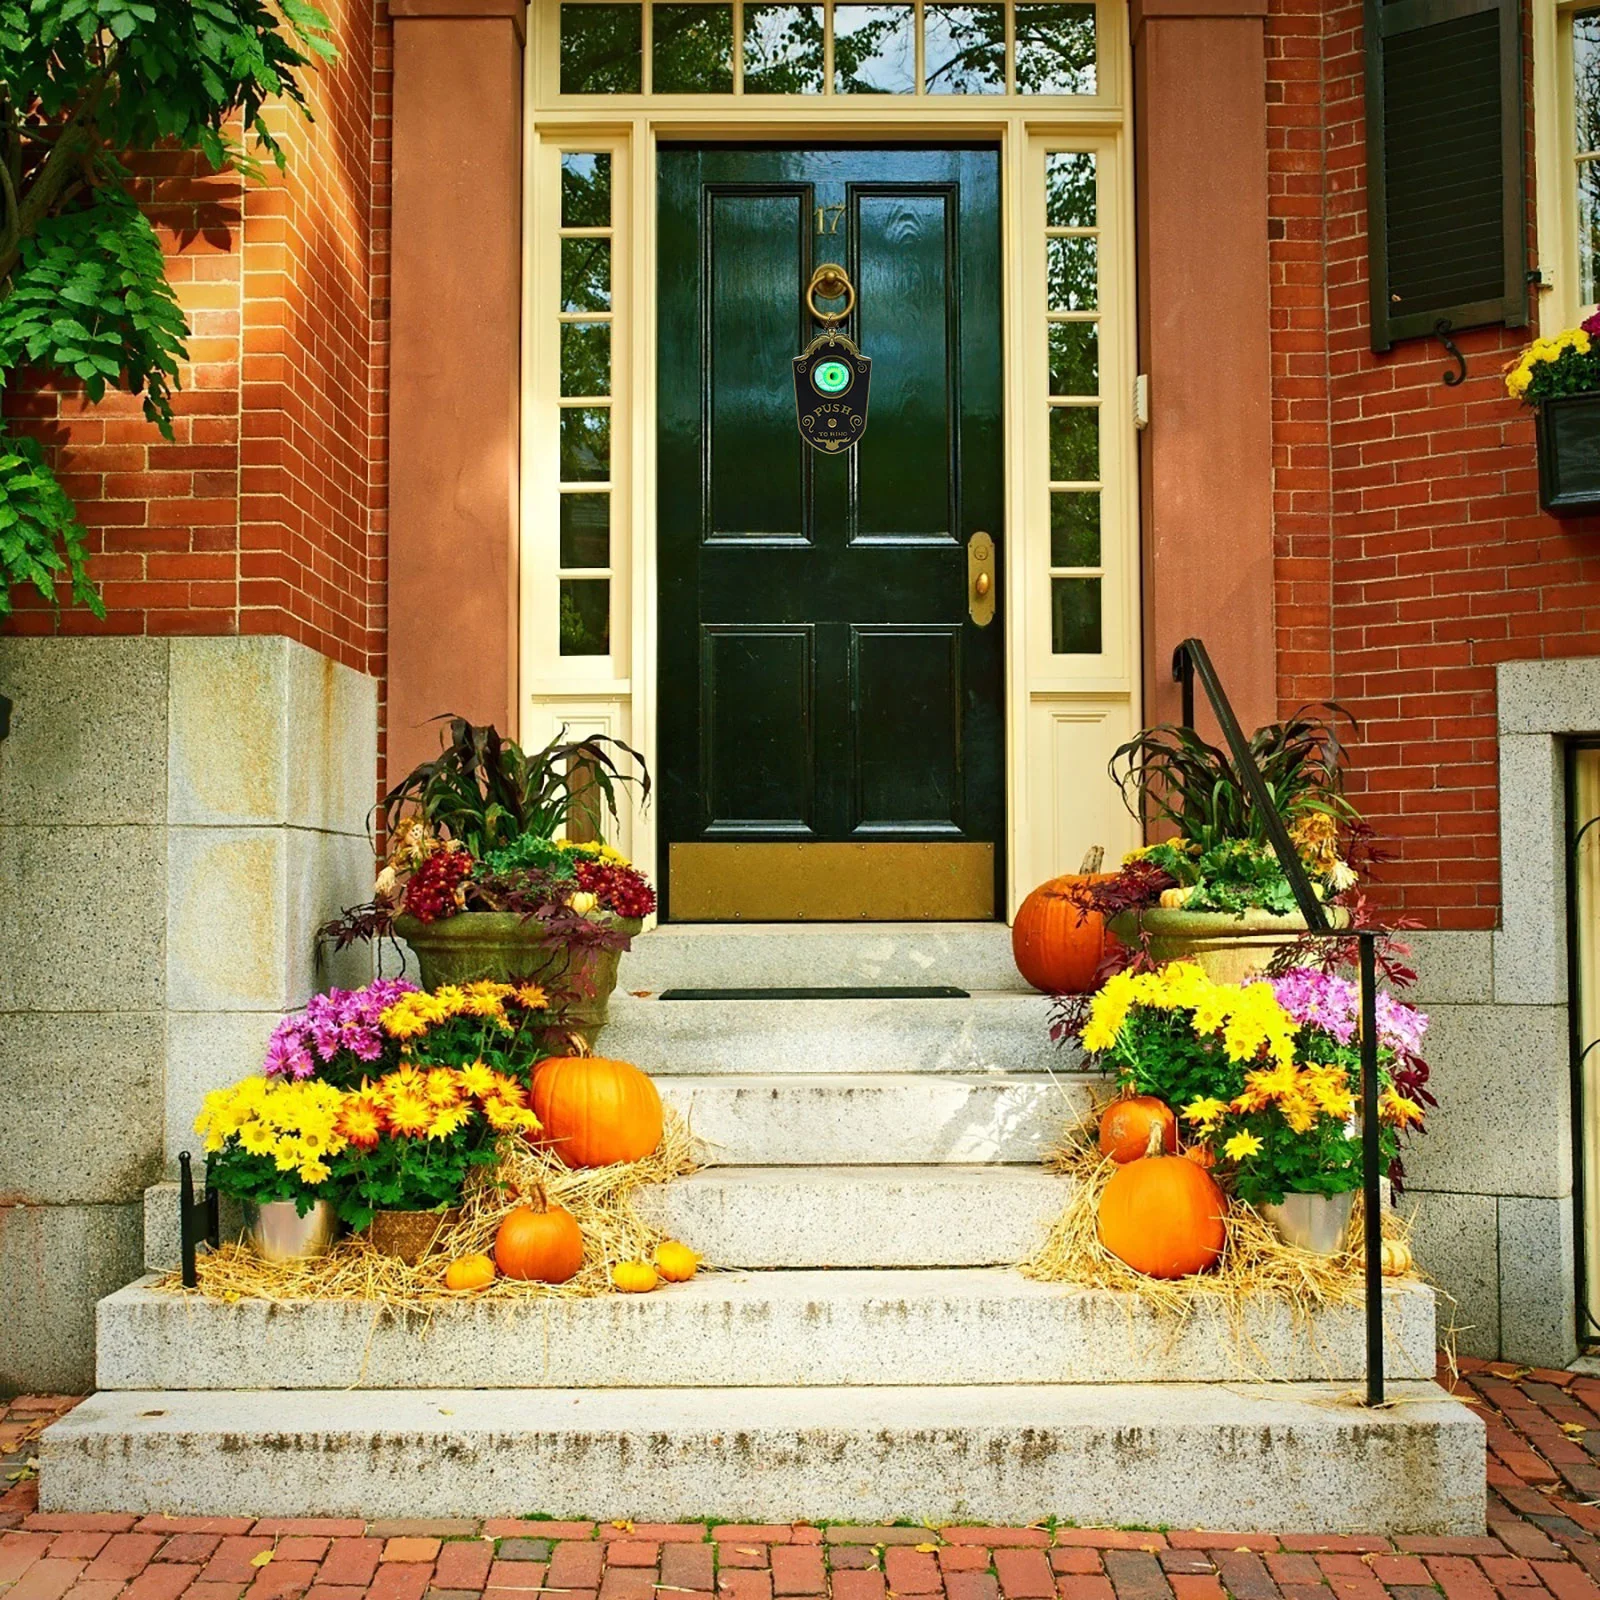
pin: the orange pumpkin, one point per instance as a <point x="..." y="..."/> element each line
<point x="539" y="1246"/>
<point x="1127" y="1125"/>
<point x="469" y="1272"/>
<point x="1163" y="1216"/>
<point x="596" y="1112"/>
<point x="1057" y="945"/>
<point x="1201" y="1154"/>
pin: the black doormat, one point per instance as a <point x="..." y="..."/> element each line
<point x="937" y="991"/>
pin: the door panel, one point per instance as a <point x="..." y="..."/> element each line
<point x="756" y="752"/>
<point x="820" y="679"/>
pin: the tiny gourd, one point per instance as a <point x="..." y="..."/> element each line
<point x="634" y="1277"/>
<point x="1397" y="1258"/>
<point x="676" y="1262"/>
<point x="469" y="1272"/>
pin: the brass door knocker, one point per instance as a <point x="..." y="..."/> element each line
<point x="832" y="282"/>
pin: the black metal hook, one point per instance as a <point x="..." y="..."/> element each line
<point x="1451" y="379"/>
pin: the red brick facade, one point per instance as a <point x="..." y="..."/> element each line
<point x="264" y="514"/>
<point x="1412" y="556"/>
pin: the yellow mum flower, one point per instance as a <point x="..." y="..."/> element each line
<point x="448" y="1121"/>
<point x="257" y="1138"/>
<point x="531" y="997"/>
<point x="1396" y="1109"/>
<point x="1204" y="1111"/>
<point x="410" y="1114"/>
<point x="477" y="1079"/>
<point x="443" y="1086"/>
<point x="1241" y="1145"/>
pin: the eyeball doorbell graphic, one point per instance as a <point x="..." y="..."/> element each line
<point x="831" y="377"/>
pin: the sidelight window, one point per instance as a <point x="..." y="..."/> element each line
<point x="829" y="47"/>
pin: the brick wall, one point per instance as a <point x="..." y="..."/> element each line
<point x="1412" y="556"/>
<point x="264" y="513"/>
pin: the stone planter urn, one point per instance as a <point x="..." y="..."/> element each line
<point x="1227" y="947"/>
<point x="506" y="948"/>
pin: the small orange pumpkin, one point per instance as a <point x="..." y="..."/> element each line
<point x="539" y="1246"/>
<point x="1127" y="1126"/>
<point x="1057" y="945"/>
<point x="1163" y="1215"/>
<point x="1201" y="1154"/>
<point x="469" y="1272"/>
<point x="634" y="1277"/>
<point x="595" y="1112"/>
<point x="676" y="1262"/>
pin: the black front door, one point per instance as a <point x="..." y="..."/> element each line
<point x="830" y="690"/>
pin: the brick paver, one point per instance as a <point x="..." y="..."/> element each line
<point x="1543" y="1470"/>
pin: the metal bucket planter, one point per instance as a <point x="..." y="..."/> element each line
<point x="1317" y="1222"/>
<point x="1228" y="948"/>
<point x="278" y="1232"/>
<point x="506" y="948"/>
<point x="1567" y="430"/>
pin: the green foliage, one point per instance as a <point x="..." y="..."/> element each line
<point x="487" y="792"/>
<point x="408" y="1174"/>
<point x="40" y="535"/>
<point x="1233" y="877"/>
<point x="85" y="85"/>
<point x="235" y="1172"/>
<point x="1170" y="772"/>
<point x="1573" y="371"/>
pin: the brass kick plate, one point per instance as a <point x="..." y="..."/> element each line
<point x="980" y="579"/>
<point x="943" y="881"/>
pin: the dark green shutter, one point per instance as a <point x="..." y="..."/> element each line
<point x="1445" y="214"/>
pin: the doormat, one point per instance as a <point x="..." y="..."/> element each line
<point x="937" y="991"/>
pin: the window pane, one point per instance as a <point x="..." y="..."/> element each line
<point x="1074" y="358"/>
<point x="1070" y="268"/>
<point x="585" y="444"/>
<point x="585" y="190"/>
<point x="1589" y="231"/>
<point x="1074" y="528"/>
<point x="1055" y="49"/>
<point x="585" y="274"/>
<point x="964" y="49"/>
<point x="874" y="49"/>
<point x="692" y="49"/>
<point x="585" y="359"/>
<point x="783" y="48"/>
<point x="586" y="530"/>
<point x="1586" y="78"/>
<point x="601" y="50"/>
<point x="585" y="616"/>
<point x="1074" y="444"/>
<point x="1075" y="616"/>
<point x="1069" y="189"/>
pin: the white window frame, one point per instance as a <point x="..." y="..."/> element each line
<point x="1560" y="302"/>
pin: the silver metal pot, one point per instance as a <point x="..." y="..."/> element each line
<point x="1315" y="1222"/>
<point x="279" y="1233"/>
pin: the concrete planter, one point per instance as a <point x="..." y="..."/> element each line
<point x="1227" y="948"/>
<point x="507" y="948"/>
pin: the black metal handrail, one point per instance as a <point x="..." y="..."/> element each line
<point x="1190" y="661"/>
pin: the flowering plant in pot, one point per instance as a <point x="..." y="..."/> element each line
<point x="1560" y="378"/>
<point x="480" y="887"/>
<point x="269" y="1144"/>
<point x="1264" y="1078"/>
<point x="1214" y="891"/>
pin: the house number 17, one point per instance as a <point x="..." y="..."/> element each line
<point x="829" y="218"/>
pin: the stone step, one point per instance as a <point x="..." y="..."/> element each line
<point x="862" y="1119"/>
<point x="967" y="955"/>
<point x="985" y="1033"/>
<point x="948" y="1216"/>
<point x="935" y="1327"/>
<point x="1236" y="1456"/>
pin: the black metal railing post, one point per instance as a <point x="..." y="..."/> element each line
<point x="198" y="1220"/>
<point x="1191" y="660"/>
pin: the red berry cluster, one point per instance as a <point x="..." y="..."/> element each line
<point x="431" y="894"/>
<point x="620" y="890"/>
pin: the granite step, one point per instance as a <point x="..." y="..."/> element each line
<point x="933" y="1216"/>
<point x="941" y="1326"/>
<point x="1236" y="1456"/>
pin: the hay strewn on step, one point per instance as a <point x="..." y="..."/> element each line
<point x="1256" y="1264"/>
<point x="601" y="1199"/>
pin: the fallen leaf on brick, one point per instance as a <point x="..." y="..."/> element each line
<point x="623" y="1524"/>
<point x="262" y="1559"/>
<point x="925" y="1549"/>
<point x="1574" y="1430"/>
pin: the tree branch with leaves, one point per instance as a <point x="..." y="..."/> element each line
<point x="85" y="87"/>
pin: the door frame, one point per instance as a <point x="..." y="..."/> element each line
<point x="1062" y="714"/>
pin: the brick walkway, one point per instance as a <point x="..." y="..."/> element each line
<point x="1544" y="1445"/>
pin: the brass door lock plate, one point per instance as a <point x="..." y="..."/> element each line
<point x="980" y="579"/>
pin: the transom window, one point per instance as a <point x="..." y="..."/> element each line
<point x="828" y="47"/>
